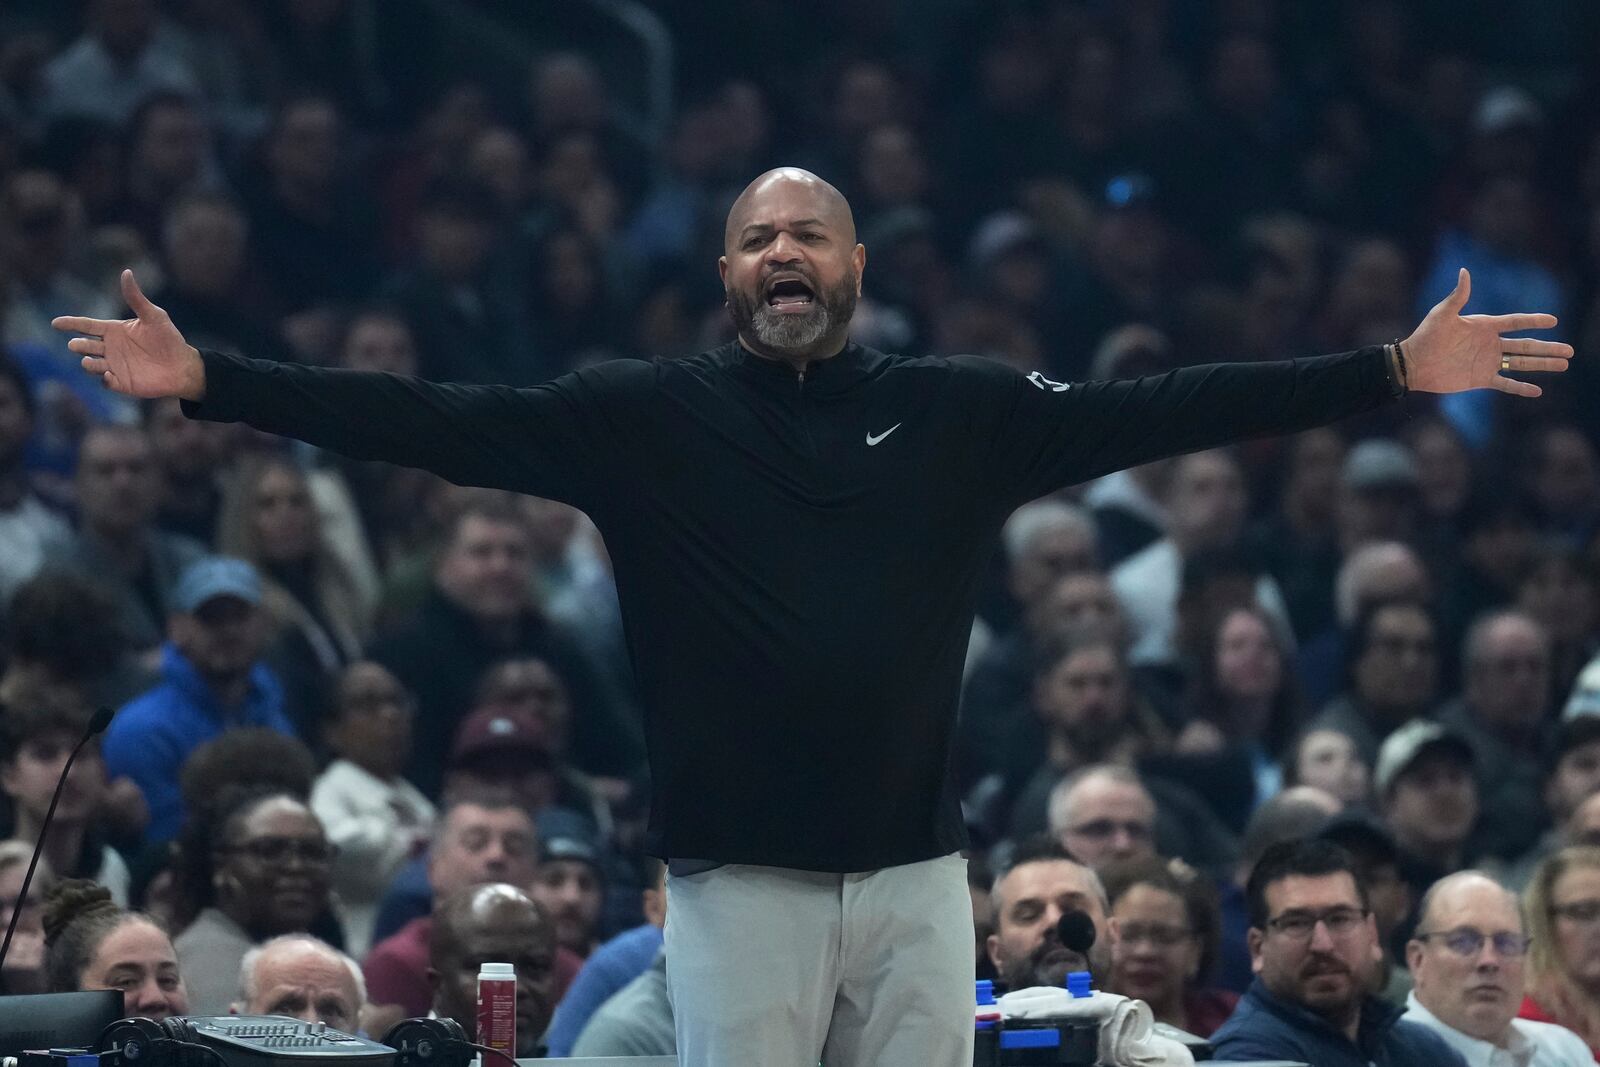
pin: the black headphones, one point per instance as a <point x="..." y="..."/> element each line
<point x="429" y="1043"/>
<point x="145" y="1042"/>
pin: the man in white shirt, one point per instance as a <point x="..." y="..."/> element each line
<point x="1467" y="959"/>
<point x="1206" y="505"/>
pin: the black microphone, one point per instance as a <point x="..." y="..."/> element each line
<point x="100" y="720"/>
<point x="1076" y="931"/>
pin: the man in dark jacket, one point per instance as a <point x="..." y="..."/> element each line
<point x="798" y="526"/>
<point x="1314" y="948"/>
<point x="480" y="611"/>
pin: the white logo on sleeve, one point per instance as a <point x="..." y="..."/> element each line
<point x="873" y="439"/>
<point x="1045" y="383"/>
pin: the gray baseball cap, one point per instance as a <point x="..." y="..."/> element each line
<point x="1410" y="743"/>
<point x="1379" y="463"/>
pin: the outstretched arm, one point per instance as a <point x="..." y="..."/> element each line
<point x="1044" y="435"/>
<point x="547" y="440"/>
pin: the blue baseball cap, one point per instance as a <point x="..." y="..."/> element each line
<point x="216" y="576"/>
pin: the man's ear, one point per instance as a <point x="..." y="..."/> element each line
<point x="1413" y="955"/>
<point x="997" y="952"/>
<point x="655" y="907"/>
<point x="1253" y="941"/>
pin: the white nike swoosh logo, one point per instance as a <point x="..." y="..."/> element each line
<point x="871" y="440"/>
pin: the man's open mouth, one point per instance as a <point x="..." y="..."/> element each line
<point x="790" y="295"/>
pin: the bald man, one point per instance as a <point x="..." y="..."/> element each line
<point x="1468" y="958"/>
<point x="798" y="526"/>
<point x="495" y="923"/>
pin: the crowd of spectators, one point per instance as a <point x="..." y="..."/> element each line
<point x="374" y="727"/>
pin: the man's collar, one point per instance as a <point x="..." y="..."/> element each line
<point x="1476" y="1051"/>
<point x="835" y="374"/>
<point x="1377" y="1016"/>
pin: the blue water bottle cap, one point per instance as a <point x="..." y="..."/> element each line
<point x="1078" y="984"/>
<point x="985" y="991"/>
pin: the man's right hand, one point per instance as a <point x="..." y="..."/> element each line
<point x="144" y="356"/>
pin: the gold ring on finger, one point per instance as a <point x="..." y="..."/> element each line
<point x="1505" y="361"/>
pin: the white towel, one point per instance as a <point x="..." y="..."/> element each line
<point x="1127" y="1029"/>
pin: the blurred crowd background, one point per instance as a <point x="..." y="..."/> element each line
<point x="409" y="688"/>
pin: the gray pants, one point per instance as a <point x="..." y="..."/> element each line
<point x="784" y="968"/>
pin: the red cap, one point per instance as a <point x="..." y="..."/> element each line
<point x="495" y="729"/>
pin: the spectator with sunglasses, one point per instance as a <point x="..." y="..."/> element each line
<point x="258" y="866"/>
<point x="1314" y="948"/>
<point x="1562" y="905"/>
<point x="1467" y="959"/>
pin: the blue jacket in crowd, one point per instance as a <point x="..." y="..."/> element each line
<point x="612" y="966"/>
<point x="1266" y="1027"/>
<point x="154" y="733"/>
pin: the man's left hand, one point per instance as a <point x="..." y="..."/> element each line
<point x="1451" y="352"/>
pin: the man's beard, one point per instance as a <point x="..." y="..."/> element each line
<point x="794" y="335"/>
<point x="1049" y="964"/>
<point x="1336" y="1009"/>
<point x="1096" y="735"/>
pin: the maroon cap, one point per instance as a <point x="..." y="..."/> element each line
<point x="495" y="729"/>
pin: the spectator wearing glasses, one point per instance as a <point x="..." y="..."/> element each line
<point x="374" y="817"/>
<point x="1103" y="814"/>
<point x="1313" y="947"/>
<point x="1164" y="933"/>
<point x="1110" y="812"/>
<point x="1562" y="905"/>
<point x="1467" y="959"/>
<point x="259" y="868"/>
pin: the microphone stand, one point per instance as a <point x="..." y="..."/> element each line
<point x="101" y="720"/>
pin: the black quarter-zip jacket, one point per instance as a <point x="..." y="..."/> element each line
<point x="797" y="555"/>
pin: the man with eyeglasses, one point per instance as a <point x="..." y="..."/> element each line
<point x="1313" y="947"/>
<point x="1103" y="814"/>
<point x="1467" y="958"/>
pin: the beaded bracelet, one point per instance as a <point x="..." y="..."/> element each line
<point x="1400" y="362"/>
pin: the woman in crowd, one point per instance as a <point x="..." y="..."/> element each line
<point x="1242" y="698"/>
<point x="1329" y="760"/>
<point x="375" y="818"/>
<point x="269" y="518"/>
<point x="1165" y="928"/>
<point x="90" y="943"/>
<point x="255" y="866"/>
<point x="1562" y="909"/>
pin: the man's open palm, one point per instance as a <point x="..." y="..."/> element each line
<point x="144" y="356"/>
<point x="1451" y="352"/>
